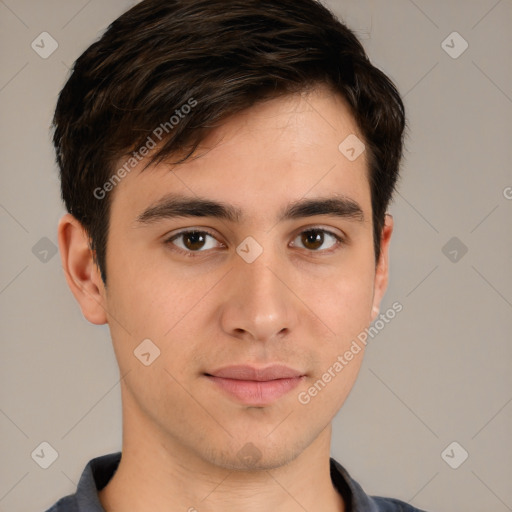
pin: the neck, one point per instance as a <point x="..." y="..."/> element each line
<point x="160" y="474"/>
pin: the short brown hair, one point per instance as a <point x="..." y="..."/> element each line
<point x="225" y="55"/>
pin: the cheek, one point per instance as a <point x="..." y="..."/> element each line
<point x="143" y="295"/>
<point x="344" y="300"/>
<point x="345" y="308"/>
<point x="148" y="300"/>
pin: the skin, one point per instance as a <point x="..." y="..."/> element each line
<point x="300" y="304"/>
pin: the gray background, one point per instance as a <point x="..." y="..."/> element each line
<point x="438" y="373"/>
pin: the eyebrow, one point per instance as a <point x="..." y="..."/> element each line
<point x="174" y="206"/>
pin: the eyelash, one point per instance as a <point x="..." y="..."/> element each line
<point x="193" y="254"/>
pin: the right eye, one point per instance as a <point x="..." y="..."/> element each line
<point x="192" y="241"/>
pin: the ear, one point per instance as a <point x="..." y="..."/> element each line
<point x="82" y="273"/>
<point x="382" y="269"/>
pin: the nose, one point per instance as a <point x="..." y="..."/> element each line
<point x="259" y="303"/>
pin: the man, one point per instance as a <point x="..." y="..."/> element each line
<point x="227" y="166"/>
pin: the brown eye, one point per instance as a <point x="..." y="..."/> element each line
<point x="314" y="239"/>
<point x="193" y="241"/>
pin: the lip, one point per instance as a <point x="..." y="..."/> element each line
<point x="256" y="386"/>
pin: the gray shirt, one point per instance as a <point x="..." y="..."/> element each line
<point x="100" y="470"/>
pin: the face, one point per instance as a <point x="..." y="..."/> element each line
<point x="252" y="309"/>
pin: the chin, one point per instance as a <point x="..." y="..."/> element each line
<point x="257" y="455"/>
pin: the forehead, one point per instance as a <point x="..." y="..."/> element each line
<point x="274" y="153"/>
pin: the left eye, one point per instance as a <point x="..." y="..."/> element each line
<point x="313" y="239"/>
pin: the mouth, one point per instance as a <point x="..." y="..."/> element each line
<point x="256" y="386"/>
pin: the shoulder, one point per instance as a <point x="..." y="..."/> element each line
<point x="393" y="505"/>
<point x="357" y="500"/>
<point x="65" y="504"/>
<point x="95" y="476"/>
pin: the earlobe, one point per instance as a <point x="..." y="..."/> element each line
<point x="82" y="274"/>
<point x="382" y="269"/>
